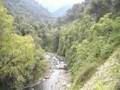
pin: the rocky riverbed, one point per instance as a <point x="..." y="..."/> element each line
<point x="58" y="77"/>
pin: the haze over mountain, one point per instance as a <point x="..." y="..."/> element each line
<point x="53" y="5"/>
<point x="61" y="11"/>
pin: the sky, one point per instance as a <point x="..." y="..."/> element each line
<point x="53" y="5"/>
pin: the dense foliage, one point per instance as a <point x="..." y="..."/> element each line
<point x="86" y="45"/>
<point x="88" y="41"/>
<point x="20" y="58"/>
<point x="43" y="33"/>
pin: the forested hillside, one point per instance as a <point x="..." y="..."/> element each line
<point x="31" y="18"/>
<point x="91" y="46"/>
<point x="87" y="37"/>
<point x="21" y="60"/>
<point x="28" y="9"/>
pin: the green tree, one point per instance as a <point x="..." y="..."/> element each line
<point x="18" y="56"/>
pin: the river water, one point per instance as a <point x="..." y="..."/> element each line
<point x="58" y="77"/>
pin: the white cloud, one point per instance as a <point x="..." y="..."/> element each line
<point x="53" y="5"/>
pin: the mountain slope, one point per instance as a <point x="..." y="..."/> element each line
<point x="29" y="9"/>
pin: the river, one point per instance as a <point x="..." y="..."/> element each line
<point x="58" y="77"/>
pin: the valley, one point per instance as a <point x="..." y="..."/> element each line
<point x="77" y="47"/>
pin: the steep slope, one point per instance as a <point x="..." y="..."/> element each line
<point x="86" y="46"/>
<point x="107" y="76"/>
<point x="28" y="9"/>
